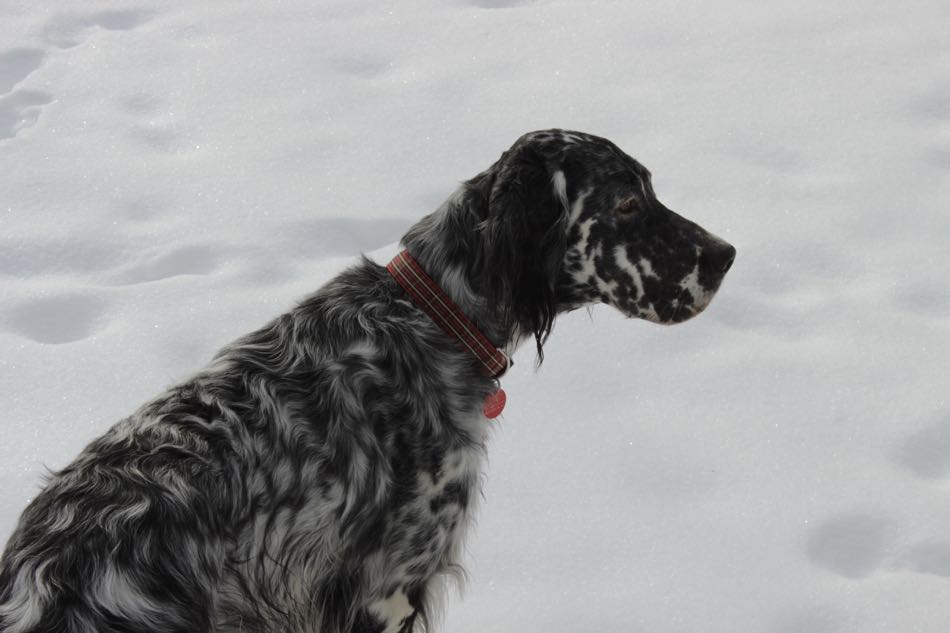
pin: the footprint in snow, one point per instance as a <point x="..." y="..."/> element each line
<point x="164" y="138"/>
<point x="927" y="452"/>
<point x="931" y="557"/>
<point x="58" y="319"/>
<point x="853" y="545"/>
<point x="813" y="619"/>
<point x="859" y="545"/>
<point x="20" y="111"/>
<point x="143" y="208"/>
<point x="153" y="128"/>
<point x="363" y="67"/>
<point x="932" y="109"/>
<point x="141" y="103"/>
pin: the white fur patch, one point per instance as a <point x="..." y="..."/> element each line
<point x="392" y="611"/>
<point x="691" y="284"/>
<point x="577" y="207"/>
<point x="620" y="253"/>
<point x="646" y="267"/>
<point x="560" y="188"/>
<point x="587" y="263"/>
<point x="701" y="296"/>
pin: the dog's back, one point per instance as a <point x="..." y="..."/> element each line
<point x="129" y="536"/>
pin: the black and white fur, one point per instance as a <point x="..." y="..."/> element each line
<point x="320" y="473"/>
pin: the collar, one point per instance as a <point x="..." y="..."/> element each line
<point x="432" y="300"/>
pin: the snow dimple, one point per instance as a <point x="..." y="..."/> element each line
<point x="57" y="319"/>
<point x="852" y="545"/>
<point x="199" y="259"/>
<point x="928" y="557"/>
<point x="167" y="137"/>
<point x="20" y="111"/>
<point x="926" y="453"/>
<point x="861" y="545"/>
<point x="362" y="66"/>
<point x="143" y="207"/>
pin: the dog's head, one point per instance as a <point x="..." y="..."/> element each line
<point x="568" y="219"/>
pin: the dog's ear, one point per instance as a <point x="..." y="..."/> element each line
<point x="523" y="240"/>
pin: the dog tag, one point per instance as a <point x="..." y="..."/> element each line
<point x="494" y="404"/>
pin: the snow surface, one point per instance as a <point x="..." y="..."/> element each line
<point x="174" y="174"/>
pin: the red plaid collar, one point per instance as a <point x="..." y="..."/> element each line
<point x="432" y="300"/>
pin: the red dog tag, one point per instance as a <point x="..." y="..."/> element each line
<point x="494" y="404"/>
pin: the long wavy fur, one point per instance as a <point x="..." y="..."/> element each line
<point x="319" y="475"/>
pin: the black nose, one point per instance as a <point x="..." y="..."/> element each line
<point x="718" y="257"/>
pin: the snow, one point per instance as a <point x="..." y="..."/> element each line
<point x="175" y="174"/>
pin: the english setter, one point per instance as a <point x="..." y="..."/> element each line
<point x="320" y="473"/>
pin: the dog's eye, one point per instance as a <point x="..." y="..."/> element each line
<point x="628" y="207"/>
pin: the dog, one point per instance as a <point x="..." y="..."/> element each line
<point x="319" y="474"/>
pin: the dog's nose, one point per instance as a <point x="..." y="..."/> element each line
<point x="718" y="257"/>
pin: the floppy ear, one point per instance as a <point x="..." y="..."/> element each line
<point x="523" y="242"/>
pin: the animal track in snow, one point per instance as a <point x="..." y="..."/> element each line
<point x="159" y="132"/>
<point x="821" y="619"/>
<point x="859" y="545"/>
<point x="932" y="109"/>
<point x="928" y="558"/>
<point x="939" y="157"/>
<point x="144" y="208"/>
<point x="16" y="65"/>
<point x="141" y="103"/>
<point x="161" y="137"/>
<point x="934" y="104"/>
<point x="363" y="67"/>
<point x="928" y="297"/>
<point x="188" y="260"/>
<point x="927" y="453"/>
<point x="20" y="111"/>
<point x="852" y="545"/>
<point x="56" y="320"/>
<point x="68" y="31"/>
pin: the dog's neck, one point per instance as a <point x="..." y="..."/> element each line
<point x="445" y="244"/>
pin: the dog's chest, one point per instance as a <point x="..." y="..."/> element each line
<point x="424" y="536"/>
<point x="425" y="531"/>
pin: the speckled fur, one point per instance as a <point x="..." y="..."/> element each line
<point x="320" y="473"/>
